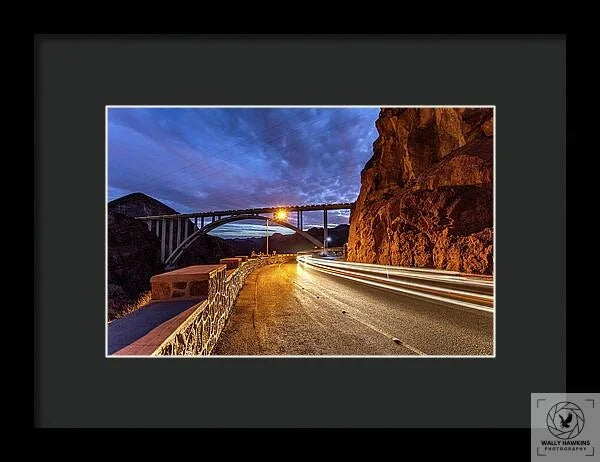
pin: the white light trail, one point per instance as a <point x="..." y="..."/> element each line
<point x="418" y="290"/>
<point x="413" y="273"/>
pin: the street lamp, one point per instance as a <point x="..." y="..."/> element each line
<point x="279" y="215"/>
<point x="325" y="244"/>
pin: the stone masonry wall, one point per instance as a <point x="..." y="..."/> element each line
<point x="198" y="335"/>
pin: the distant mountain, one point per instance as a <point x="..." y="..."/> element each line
<point x="138" y="204"/>
<point x="290" y="243"/>
<point x="206" y="249"/>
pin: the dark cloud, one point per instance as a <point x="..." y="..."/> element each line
<point x="200" y="159"/>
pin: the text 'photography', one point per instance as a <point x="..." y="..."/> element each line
<point x="300" y="231"/>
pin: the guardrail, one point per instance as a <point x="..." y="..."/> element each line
<point x="337" y="251"/>
<point x="449" y="287"/>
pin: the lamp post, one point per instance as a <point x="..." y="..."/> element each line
<point x="325" y="238"/>
<point x="267" y="237"/>
<point x="278" y="216"/>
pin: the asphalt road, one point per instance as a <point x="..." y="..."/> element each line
<point x="289" y="309"/>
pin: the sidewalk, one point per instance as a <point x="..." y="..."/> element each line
<point x="123" y="331"/>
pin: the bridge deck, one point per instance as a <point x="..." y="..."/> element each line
<point x="287" y="208"/>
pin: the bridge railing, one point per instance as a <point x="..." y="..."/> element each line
<point x="256" y="210"/>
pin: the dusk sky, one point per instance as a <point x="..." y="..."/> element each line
<point x="203" y="159"/>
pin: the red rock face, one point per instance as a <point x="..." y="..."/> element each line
<point x="426" y="197"/>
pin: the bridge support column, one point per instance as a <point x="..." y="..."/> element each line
<point x="195" y="223"/>
<point x="157" y="223"/>
<point x="298" y="219"/>
<point x="179" y="226"/>
<point x="325" y="228"/>
<point x="171" y="232"/>
<point x="163" y="244"/>
<point x="186" y="225"/>
<point x="202" y="222"/>
<point x="149" y="223"/>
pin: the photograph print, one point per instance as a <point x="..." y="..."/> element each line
<point x="298" y="231"/>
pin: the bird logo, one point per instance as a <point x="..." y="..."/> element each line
<point x="564" y="423"/>
<point x="565" y="420"/>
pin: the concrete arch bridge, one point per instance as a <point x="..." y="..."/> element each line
<point x="177" y="232"/>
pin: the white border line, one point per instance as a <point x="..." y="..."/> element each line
<point x="106" y="232"/>
<point x="494" y="227"/>
<point x="225" y="357"/>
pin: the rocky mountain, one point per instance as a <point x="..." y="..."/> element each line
<point x="426" y="195"/>
<point x="133" y="257"/>
<point x="134" y="251"/>
<point x="290" y="243"/>
<point x="139" y="205"/>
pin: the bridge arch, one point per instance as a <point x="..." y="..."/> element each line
<point x="172" y="259"/>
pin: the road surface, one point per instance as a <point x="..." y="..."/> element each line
<point x="289" y="309"/>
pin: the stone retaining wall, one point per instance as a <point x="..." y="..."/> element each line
<point x="199" y="333"/>
<point x="188" y="282"/>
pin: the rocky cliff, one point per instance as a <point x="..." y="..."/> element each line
<point x="426" y="197"/>
<point x="133" y="257"/>
<point x="134" y="252"/>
